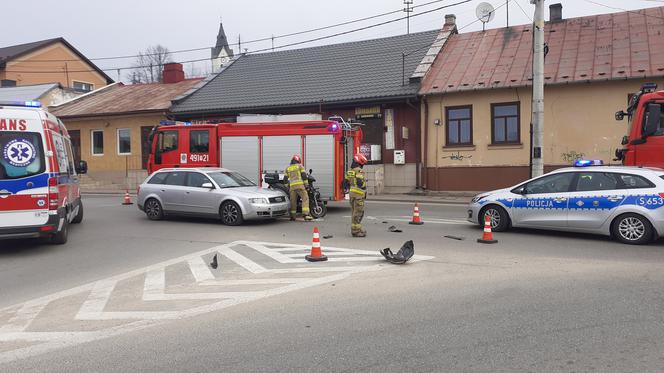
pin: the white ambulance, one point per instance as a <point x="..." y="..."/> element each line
<point x="39" y="186"/>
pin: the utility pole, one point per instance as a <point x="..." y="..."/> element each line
<point x="507" y="11"/>
<point x="538" y="90"/>
<point x="408" y="9"/>
<point x="239" y="44"/>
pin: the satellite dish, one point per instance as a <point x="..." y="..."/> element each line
<point x="485" y="12"/>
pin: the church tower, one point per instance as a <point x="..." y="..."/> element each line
<point x="221" y="54"/>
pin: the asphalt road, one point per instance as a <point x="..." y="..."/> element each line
<point x="536" y="301"/>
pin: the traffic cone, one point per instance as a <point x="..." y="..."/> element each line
<point x="316" y="253"/>
<point x="416" y="216"/>
<point x="127" y="199"/>
<point x="487" y="237"/>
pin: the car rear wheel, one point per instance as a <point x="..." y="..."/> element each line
<point x="632" y="229"/>
<point x="231" y="214"/>
<point x="500" y="221"/>
<point x="61" y="237"/>
<point x="153" y="209"/>
<point x="79" y="216"/>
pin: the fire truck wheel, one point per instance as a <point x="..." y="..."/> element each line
<point x="153" y="209"/>
<point x="230" y="213"/>
<point x="60" y="238"/>
<point x="79" y="217"/>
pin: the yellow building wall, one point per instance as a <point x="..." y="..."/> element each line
<point x="578" y="122"/>
<point x="63" y="72"/>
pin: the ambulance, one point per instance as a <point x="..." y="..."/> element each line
<point x="39" y="183"/>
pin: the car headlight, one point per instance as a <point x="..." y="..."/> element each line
<point x="477" y="199"/>
<point x="258" y="201"/>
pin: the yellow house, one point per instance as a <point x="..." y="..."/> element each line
<point x="49" y="61"/>
<point x="110" y="126"/>
<point x="476" y="106"/>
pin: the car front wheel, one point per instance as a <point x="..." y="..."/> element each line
<point x="632" y="229"/>
<point x="500" y="221"/>
<point x="231" y="214"/>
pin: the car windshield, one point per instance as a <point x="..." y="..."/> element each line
<point x="21" y="155"/>
<point x="230" y="179"/>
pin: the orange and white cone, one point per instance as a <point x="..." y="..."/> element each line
<point x="316" y="253"/>
<point x="127" y="199"/>
<point x="416" y="216"/>
<point x="487" y="237"/>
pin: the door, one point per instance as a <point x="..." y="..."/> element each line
<point x="172" y="191"/>
<point x="319" y="157"/>
<point x="542" y="203"/>
<point x="146" y="145"/>
<point x="168" y="153"/>
<point x="75" y="137"/>
<point x="278" y="152"/>
<point x="240" y="153"/>
<point x="200" y="148"/>
<point x="199" y="200"/>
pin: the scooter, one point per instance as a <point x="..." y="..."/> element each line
<point x="317" y="208"/>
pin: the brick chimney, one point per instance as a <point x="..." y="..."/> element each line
<point x="450" y="19"/>
<point x="173" y="73"/>
<point x="556" y="12"/>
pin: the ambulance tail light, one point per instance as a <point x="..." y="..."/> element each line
<point x="53" y="193"/>
<point x="661" y="195"/>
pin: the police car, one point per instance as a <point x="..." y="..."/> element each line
<point x="626" y="203"/>
<point x="39" y="188"/>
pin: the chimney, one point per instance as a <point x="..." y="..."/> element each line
<point x="450" y="19"/>
<point x="556" y="12"/>
<point x="4" y="83"/>
<point x="173" y="73"/>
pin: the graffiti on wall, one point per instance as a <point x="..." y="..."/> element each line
<point x="458" y="156"/>
<point x="571" y="156"/>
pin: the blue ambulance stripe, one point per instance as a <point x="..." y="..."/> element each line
<point x="19" y="185"/>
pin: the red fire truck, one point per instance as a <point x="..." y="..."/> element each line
<point x="254" y="149"/>
<point x="644" y="142"/>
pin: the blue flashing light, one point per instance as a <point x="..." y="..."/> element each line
<point x="649" y="87"/>
<point x="35" y="104"/>
<point x="588" y="162"/>
<point x="173" y="123"/>
<point x="334" y="127"/>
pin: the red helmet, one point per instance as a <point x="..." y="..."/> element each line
<point x="297" y="158"/>
<point x="360" y="159"/>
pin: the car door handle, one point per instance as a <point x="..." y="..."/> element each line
<point x="615" y="198"/>
<point x="560" y="199"/>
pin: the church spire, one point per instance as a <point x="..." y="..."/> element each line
<point x="221" y="53"/>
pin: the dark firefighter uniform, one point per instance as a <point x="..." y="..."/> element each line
<point x="356" y="185"/>
<point x="297" y="181"/>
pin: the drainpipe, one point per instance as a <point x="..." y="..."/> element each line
<point x="418" y="184"/>
<point x="425" y="148"/>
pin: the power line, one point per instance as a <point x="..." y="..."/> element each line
<point x="271" y="38"/>
<point x="624" y="10"/>
<point x="523" y="11"/>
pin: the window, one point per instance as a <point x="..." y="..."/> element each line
<point x="230" y="180"/>
<point x="81" y="86"/>
<point x="633" y="182"/>
<point x="21" y="155"/>
<point x="660" y="128"/>
<point x="124" y="141"/>
<point x="175" y="178"/>
<point x="596" y="181"/>
<point x="199" y="141"/>
<point x="168" y="141"/>
<point x="556" y="183"/>
<point x="197" y="180"/>
<point x="158" y="178"/>
<point x="459" y="125"/>
<point x="505" y="123"/>
<point x="97" y="142"/>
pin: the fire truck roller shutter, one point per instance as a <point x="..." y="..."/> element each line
<point x="278" y="151"/>
<point x="241" y="154"/>
<point x="320" y="158"/>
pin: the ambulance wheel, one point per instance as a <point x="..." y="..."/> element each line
<point x="153" y="209"/>
<point x="632" y="229"/>
<point x="79" y="217"/>
<point x="500" y="221"/>
<point x="230" y="213"/>
<point x="60" y="238"/>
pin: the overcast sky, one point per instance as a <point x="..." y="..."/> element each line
<point x="124" y="27"/>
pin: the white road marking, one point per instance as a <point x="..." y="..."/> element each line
<point x="24" y="316"/>
<point x="200" y="269"/>
<point x="247" y="264"/>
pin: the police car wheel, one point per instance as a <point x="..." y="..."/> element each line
<point x="153" y="209"/>
<point x="231" y="214"/>
<point x="632" y="229"/>
<point x="500" y="221"/>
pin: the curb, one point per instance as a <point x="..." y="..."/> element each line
<point x="415" y="200"/>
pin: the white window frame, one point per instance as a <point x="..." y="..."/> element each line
<point x="92" y="85"/>
<point x="117" y="140"/>
<point x="92" y="143"/>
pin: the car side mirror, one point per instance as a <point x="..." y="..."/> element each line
<point x="207" y="186"/>
<point x="82" y="167"/>
<point x="654" y="118"/>
<point x="620" y="115"/>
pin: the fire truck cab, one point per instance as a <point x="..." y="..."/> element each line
<point x="254" y="149"/>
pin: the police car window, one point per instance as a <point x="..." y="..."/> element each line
<point x="168" y="141"/>
<point x="556" y="183"/>
<point x="175" y="178"/>
<point x="634" y="182"/>
<point x="199" y="141"/>
<point x="21" y="155"/>
<point x="158" y="178"/>
<point x="589" y="181"/>
<point x="197" y="180"/>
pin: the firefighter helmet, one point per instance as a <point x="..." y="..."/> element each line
<point x="296" y="158"/>
<point x="360" y="159"/>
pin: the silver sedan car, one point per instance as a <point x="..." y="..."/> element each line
<point x="626" y="203"/>
<point x="211" y="192"/>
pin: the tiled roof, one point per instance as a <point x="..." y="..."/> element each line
<point x="123" y="99"/>
<point x="363" y="70"/>
<point x="603" y="47"/>
<point x="26" y="92"/>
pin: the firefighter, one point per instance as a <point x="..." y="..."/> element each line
<point x="298" y="181"/>
<point x="356" y="184"/>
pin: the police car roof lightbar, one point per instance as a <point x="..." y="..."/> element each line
<point x="588" y="162"/>
<point x="21" y="103"/>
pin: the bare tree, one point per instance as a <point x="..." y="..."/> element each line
<point x="149" y="65"/>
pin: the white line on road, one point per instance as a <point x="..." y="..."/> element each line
<point x="200" y="269"/>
